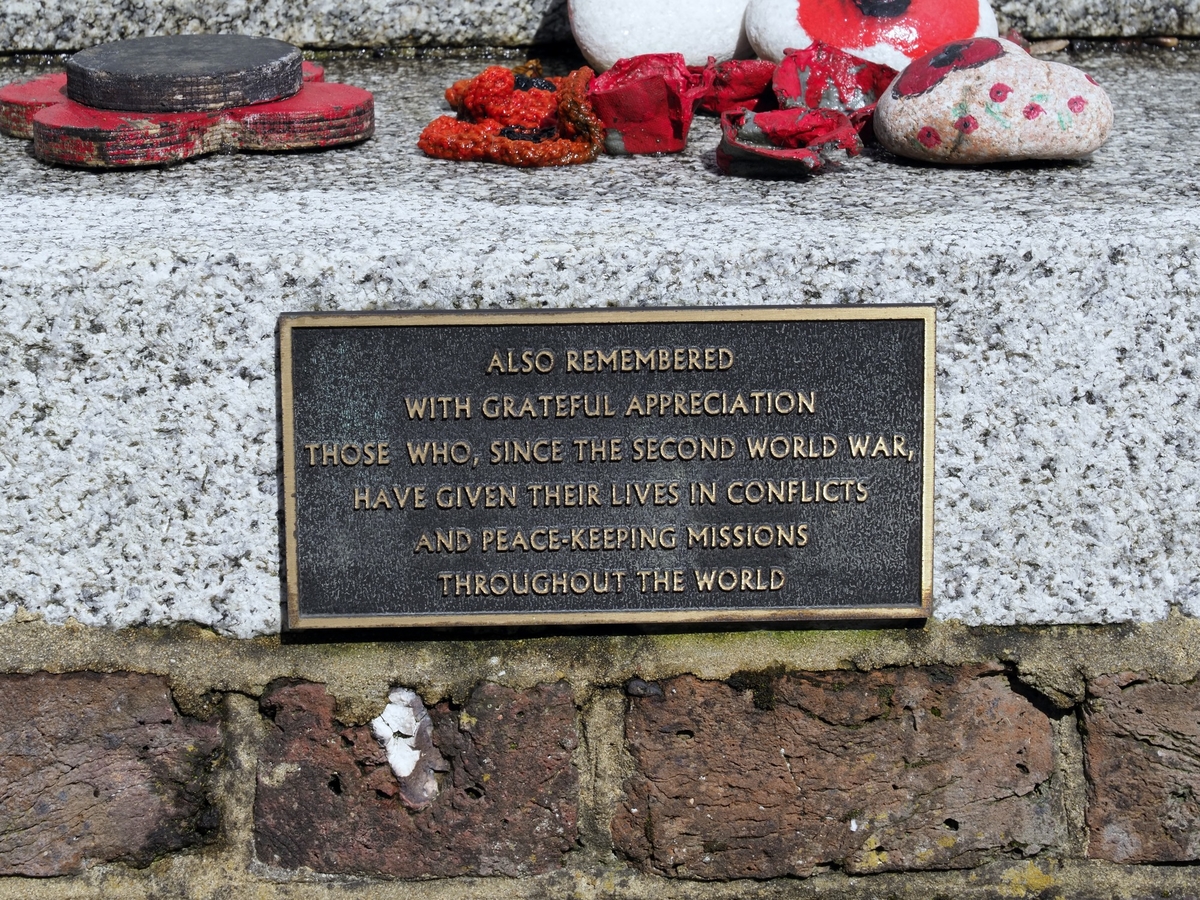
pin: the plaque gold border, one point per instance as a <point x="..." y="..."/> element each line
<point x="288" y="322"/>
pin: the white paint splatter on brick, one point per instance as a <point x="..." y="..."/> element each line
<point x="396" y="729"/>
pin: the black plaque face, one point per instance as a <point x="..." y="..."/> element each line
<point x="762" y="464"/>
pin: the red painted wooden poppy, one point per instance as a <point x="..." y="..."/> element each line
<point x="19" y="103"/>
<point x="65" y="132"/>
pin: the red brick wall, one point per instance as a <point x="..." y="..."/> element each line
<point x="762" y="776"/>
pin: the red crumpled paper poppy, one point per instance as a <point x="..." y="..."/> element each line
<point x="646" y="103"/>
<point x="783" y="143"/>
<point x="517" y="118"/>
<point x="823" y="77"/>
<point x="736" y="84"/>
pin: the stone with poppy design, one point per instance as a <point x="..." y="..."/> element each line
<point x="890" y="32"/>
<point x="986" y="100"/>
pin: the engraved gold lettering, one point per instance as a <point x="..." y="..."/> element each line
<point x="795" y="446"/>
<point x="564" y="496"/>
<point x="444" y="540"/>
<point x="686" y="448"/>
<point x="597" y="449"/>
<point x="540" y="450"/>
<point x="654" y="493"/>
<point x="660" y="581"/>
<point x="414" y="494"/>
<point x="475" y="496"/>
<point x="792" y="490"/>
<point x="744" y="536"/>
<point x="728" y="580"/>
<point x="544" y="582"/>
<point x="523" y="362"/>
<point x="439" y="453"/>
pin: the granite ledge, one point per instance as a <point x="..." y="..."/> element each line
<point x="137" y="313"/>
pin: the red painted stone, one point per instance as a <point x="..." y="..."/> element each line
<point x="68" y="133"/>
<point x="913" y="27"/>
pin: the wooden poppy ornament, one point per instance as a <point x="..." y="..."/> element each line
<point x="152" y="101"/>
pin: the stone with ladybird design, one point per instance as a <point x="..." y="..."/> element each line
<point x="986" y="101"/>
<point x="889" y="32"/>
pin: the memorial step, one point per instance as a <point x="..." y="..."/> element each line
<point x="139" y="403"/>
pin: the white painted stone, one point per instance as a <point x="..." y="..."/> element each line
<point x="775" y="26"/>
<point x="608" y="30"/>
<point x="1010" y="107"/>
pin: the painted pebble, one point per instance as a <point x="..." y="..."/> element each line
<point x="987" y="100"/>
<point x="890" y="32"/>
<point x="608" y="30"/>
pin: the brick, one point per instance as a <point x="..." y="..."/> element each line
<point x="890" y="770"/>
<point x="98" y="768"/>
<point x="506" y="802"/>
<point x="1142" y="758"/>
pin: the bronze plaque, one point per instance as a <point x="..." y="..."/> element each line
<point x="607" y="466"/>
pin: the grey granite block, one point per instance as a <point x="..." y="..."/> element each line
<point x="1099" y="18"/>
<point x="138" y="457"/>
<point x="53" y="26"/>
<point x="49" y="25"/>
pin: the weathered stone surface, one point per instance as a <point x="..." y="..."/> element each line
<point x="907" y="769"/>
<point x="987" y="100"/>
<point x="1142" y="753"/>
<point x="57" y="25"/>
<point x="96" y="768"/>
<point x="328" y="800"/>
